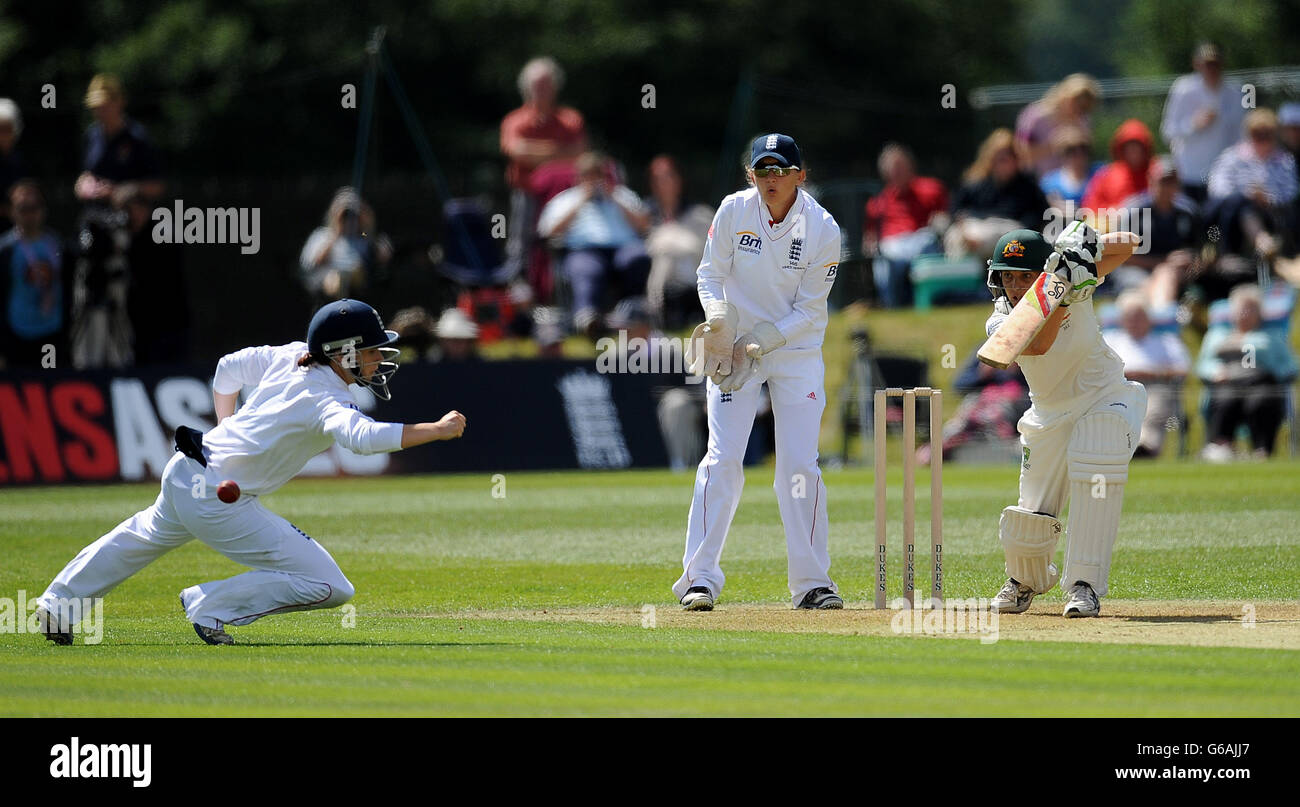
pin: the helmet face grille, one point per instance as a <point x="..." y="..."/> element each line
<point x="384" y="370"/>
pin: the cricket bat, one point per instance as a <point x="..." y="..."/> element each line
<point x="1026" y="319"/>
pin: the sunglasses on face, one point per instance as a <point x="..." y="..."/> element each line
<point x="775" y="170"/>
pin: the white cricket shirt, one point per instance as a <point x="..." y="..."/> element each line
<point x="294" y="414"/>
<point x="1076" y="369"/>
<point x="778" y="273"/>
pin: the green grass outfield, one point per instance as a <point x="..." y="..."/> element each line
<point x="532" y="604"/>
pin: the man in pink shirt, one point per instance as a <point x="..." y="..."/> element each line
<point x="536" y="133"/>
<point x="897" y="225"/>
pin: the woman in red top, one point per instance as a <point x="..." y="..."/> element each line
<point x="897" y="225"/>
<point x="1131" y="148"/>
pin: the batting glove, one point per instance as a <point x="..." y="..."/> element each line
<point x="1082" y="282"/>
<point x="1079" y="245"/>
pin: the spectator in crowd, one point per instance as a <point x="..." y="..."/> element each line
<point x="1202" y="117"/>
<point x="1289" y="133"/>
<point x="599" y="225"/>
<point x="157" y="297"/>
<point x="997" y="196"/>
<point x="340" y="254"/>
<point x="902" y="222"/>
<point x="1131" y="149"/>
<point x="674" y="244"/>
<point x="548" y="332"/>
<point x="1253" y="188"/>
<point x="416" y="334"/>
<point x="537" y="133"/>
<point x="1288" y="118"/>
<point x="1159" y="361"/>
<point x="32" y="284"/>
<point x="1068" y="103"/>
<point x="681" y="408"/>
<point x="1244" y="369"/>
<point x="120" y="162"/>
<point x="120" y="158"/>
<point x="12" y="167"/>
<point x="1064" y="186"/>
<point x="1172" y="259"/>
<point x="457" y="337"/>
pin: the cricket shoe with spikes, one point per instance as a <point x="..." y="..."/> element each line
<point x="214" y="636"/>
<point x="49" y="626"/>
<point x="698" y="598"/>
<point x="1081" y="601"/>
<point x="1014" y="598"/>
<point x="821" y="599"/>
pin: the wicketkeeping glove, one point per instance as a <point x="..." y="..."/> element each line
<point x="762" y="340"/>
<point x="709" y="351"/>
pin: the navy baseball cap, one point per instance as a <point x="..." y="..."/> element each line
<point x="780" y="146"/>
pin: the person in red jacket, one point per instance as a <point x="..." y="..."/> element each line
<point x="1131" y="148"/>
<point x="902" y="222"/>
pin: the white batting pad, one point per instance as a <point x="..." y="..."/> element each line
<point x="1098" y="457"/>
<point x="1029" y="541"/>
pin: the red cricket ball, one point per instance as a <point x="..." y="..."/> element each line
<point x="228" y="491"/>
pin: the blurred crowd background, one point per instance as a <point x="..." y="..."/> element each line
<point x="523" y="176"/>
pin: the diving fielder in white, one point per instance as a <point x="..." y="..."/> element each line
<point x="768" y="266"/>
<point x="1078" y="436"/>
<point x="301" y="405"/>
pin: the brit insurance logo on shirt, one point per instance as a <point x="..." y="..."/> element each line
<point x="749" y="242"/>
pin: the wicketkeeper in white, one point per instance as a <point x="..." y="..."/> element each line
<point x="301" y="405"/>
<point x="768" y="266"/>
<point x="1078" y="436"/>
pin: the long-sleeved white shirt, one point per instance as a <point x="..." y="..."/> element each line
<point x="1194" y="149"/>
<point x="778" y="273"/>
<point x="294" y="414"/>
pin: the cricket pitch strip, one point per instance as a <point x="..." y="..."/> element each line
<point x="1203" y="623"/>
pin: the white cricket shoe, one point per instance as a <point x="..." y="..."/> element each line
<point x="1014" y="598"/>
<point x="1081" y="601"/>
<point x="698" y="598"/>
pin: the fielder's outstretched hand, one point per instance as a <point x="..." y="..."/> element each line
<point x="451" y="426"/>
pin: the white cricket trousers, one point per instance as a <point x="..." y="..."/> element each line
<point x="795" y="383"/>
<point x="291" y="572"/>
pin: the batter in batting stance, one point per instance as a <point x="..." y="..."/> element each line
<point x="1079" y="434"/>
<point x="768" y="266"/>
<point x="301" y="405"/>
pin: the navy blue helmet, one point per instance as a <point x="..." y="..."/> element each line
<point x="342" y="328"/>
